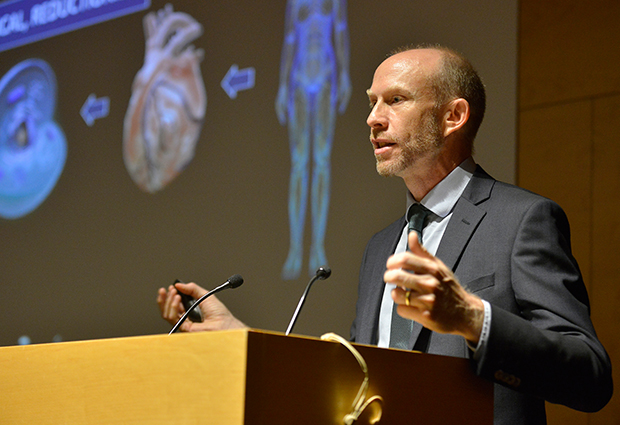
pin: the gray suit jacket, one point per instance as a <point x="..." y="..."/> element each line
<point x="512" y="248"/>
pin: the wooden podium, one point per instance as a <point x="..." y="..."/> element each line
<point x="231" y="377"/>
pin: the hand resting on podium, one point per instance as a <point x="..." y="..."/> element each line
<point x="216" y="314"/>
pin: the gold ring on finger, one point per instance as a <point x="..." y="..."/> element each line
<point x="407" y="295"/>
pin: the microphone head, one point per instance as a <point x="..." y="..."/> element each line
<point x="323" y="273"/>
<point x="235" y="281"/>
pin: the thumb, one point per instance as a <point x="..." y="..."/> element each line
<point x="190" y="289"/>
<point x="416" y="247"/>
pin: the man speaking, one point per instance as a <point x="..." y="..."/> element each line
<point x="475" y="268"/>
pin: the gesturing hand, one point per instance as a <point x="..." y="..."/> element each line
<point x="436" y="299"/>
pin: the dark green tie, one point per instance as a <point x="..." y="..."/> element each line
<point x="401" y="328"/>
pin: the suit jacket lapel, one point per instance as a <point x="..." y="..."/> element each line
<point x="368" y="331"/>
<point x="465" y="218"/>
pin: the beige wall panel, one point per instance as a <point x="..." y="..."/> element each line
<point x="552" y="142"/>
<point x="568" y="150"/>
<point x="562" y="415"/>
<point x="568" y="50"/>
<point x="605" y="295"/>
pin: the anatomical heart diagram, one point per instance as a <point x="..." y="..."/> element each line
<point x="168" y="101"/>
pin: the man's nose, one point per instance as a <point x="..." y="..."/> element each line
<point x="377" y="117"/>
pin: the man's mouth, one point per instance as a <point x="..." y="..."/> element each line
<point x="381" y="145"/>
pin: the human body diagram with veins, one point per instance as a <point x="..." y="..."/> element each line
<point x="314" y="86"/>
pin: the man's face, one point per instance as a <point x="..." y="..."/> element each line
<point x="404" y="122"/>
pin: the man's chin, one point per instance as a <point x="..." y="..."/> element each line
<point x="385" y="169"/>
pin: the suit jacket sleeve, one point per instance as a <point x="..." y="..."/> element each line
<point x="546" y="346"/>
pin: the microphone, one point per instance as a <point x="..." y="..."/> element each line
<point x="322" y="273"/>
<point x="233" y="282"/>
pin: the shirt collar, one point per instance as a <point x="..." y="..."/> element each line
<point x="442" y="198"/>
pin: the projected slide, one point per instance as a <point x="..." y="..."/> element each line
<point x="28" y="21"/>
<point x="314" y="84"/>
<point x="168" y="101"/>
<point x="33" y="148"/>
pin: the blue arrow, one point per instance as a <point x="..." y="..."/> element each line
<point x="94" y="109"/>
<point x="236" y="80"/>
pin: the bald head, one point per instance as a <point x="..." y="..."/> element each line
<point x="427" y="61"/>
<point x="413" y="66"/>
<point x="448" y="75"/>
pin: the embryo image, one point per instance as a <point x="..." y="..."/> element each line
<point x="168" y="101"/>
<point x="33" y="147"/>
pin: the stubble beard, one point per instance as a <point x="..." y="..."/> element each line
<point x="425" y="142"/>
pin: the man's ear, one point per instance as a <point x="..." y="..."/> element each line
<point x="455" y="116"/>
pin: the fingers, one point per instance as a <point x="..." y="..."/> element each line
<point x="169" y="302"/>
<point x="190" y="289"/>
<point x="402" y="267"/>
<point x="419" y="307"/>
<point x="422" y="283"/>
<point x="429" y="293"/>
<point x="413" y="299"/>
<point x="418" y="284"/>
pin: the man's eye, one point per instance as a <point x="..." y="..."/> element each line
<point x="397" y="99"/>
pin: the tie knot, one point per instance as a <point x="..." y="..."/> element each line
<point x="416" y="216"/>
